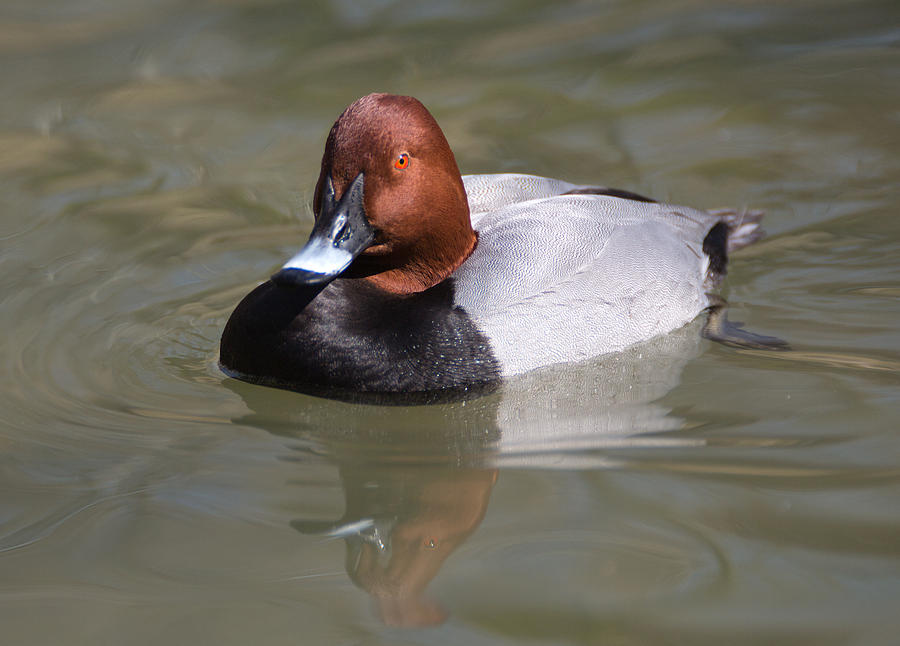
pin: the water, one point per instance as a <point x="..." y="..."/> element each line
<point x="158" y="159"/>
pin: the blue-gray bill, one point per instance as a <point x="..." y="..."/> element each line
<point x="340" y="234"/>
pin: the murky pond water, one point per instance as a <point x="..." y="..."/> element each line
<point x="157" y="160"/>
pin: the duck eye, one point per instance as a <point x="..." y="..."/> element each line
<point x="401" y="162"/>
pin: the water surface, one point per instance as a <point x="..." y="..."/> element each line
<point x="157" y="160"/>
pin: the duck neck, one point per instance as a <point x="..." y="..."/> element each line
<point x="428" y="266"/>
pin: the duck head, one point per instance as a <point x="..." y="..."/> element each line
<point x="390" y="205"/>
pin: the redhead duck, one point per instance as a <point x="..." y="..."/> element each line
<point x="418" y="281"/>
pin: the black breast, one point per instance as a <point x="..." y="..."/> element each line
<point x="354" y="341"/>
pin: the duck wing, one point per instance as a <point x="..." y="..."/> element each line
<point x="571" y="276"/>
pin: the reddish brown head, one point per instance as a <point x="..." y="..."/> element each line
<point x="413" y="193"/>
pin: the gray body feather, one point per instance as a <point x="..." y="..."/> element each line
<point x="558" y="278"/>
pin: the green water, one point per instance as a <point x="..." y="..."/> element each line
<point x="157" y="160"/>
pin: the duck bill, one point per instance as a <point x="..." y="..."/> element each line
<point x="340" y="234"/>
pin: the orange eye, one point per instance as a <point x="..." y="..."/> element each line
<point x="401" y="162"/>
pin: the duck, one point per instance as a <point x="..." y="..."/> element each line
<point x="420" y="282"/>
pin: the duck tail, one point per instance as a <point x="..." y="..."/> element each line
<point x="734" y="230"/>
<point x="744" y="226"/>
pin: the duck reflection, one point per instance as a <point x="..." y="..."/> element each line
<point x="417" y="479"/>
<point x="400" y="525"/>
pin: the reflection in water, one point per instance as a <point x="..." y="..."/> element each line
<point x="400" y="524"/>
<point x="417" y="480"/>
<point x="562" y="417"/>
